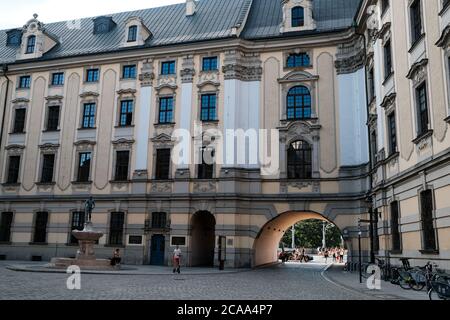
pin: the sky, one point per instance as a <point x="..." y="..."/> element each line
<point x="15" y="13"/>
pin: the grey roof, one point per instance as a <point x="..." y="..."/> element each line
<point x="214" y="19"/>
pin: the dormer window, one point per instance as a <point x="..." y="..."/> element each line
<point x="296" y="60"/>
<point x="298" y="17"/>
<point x="14" y="38"/>
<point x="103" y="25"/>
<point x="31" y="44"/>
<point x="135" y="32"/>
<point x="132" y="33"/>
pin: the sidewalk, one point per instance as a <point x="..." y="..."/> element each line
<point x="350" y="281"/>
<point x="26" y="266"/>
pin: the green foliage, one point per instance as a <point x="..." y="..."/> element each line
<point x="308" y="234"/>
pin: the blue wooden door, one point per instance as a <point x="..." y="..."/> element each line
<point x="157" y="250"/>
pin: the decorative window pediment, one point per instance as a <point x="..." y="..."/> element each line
<point x="35" y="41"/>
<point x="136" y="33"/>
<point x="298" y="16"/>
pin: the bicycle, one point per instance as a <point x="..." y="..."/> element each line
<point x="439" y="287"/>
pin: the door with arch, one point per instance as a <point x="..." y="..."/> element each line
<point x="203" y="232"/>
<point x="157" y="250"/>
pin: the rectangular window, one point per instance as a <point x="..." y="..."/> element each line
<point x="298" y="17"/>
<point x="162" y="164"/>
<point x="19" y="120"/>
<point x="31" y="44"/>
<point x="158" y="220"/>
<point x="206" y="168"/>
<point x="25" y="82"/>
<point x="395" y="226"/>
<point x="392" y="129"/>
<point x="416" y="21"/>
<point x="88" y="121"/>
<point x="168" y="67"/>
<point x="48" y="164"/>
<point x="373" y="146"/>
<point x="84" y="167"/>
<point x="40" y="227"/>
<point x="208" y="108"/>
<point x="129" y="72"/>
<point x="132" y="33"/>
<point x="371" y="78"/>
<point x="58" y="79"/>
<point x="422" y="109"/>
<point x="209" y="64"/>
<point x="122" y="163"/>
<point x="92" y="75"/>
<point x="5" y="226"/>
<point x="165" y="110"/>
<point x="387" y="59"/>
<point x="428" y="231"/>
<point x="53" y="118"/>
<point x="77" y="224"/>
<point x="126" y="113"/>
<point x="116" y="228"/>
<point x="13" y="169"/>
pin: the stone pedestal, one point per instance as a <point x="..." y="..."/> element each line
<point x="85" y="258"/>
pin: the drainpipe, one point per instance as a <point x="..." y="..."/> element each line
<point x="369" y="196"/>
<point x="4" y="73"/>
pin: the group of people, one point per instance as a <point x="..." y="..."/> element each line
<point x="337" y="254"/>
<point x="300" y="255"/>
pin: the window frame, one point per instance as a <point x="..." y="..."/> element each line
<point x="53" y="121"/>
<point x="427" y="213"/>
<point x="24" y="82"/>
<point x="19" y="125"/>
<point x="130" y="75"/>
<point x="40" y="228"/>
<point x="132" y="33"/>
<point x="396" y="237"/>
<point x="162" y="168"/>
<point x="6" y="226"/>
<point x="31" y="44"/>
<point x="209" y="59"/>
<point x="167" y="72"/>
<point x="77" y="222"/>
<point x="297" y="17"/>
<point x="300" y="58"/>
<point x="95" y="78"/>
<point x="159" y="220"/>
<point x="82" y="176"/>
<point x="421" y="114"/>
<point x="126" y="116"/>
<point x="300" y="169"/>
<point x="392" y="133"/>
<point x="121" y="170"/>
<point x="46" y="177"/>
<point x="303" y="107"/>
<point x="387" y="58"/>
<point x="116" y="228"/>
<point x="166" y="119"/>
<point x="210" y="108"/>
<point x="59" y="76"/>
<point x="13" y="174"/>
<point x="91" y="117"/>
<point x="416" y="20"/>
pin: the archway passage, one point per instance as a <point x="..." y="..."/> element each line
<point x="266" y="244"/>
<point x="203" y="239"/>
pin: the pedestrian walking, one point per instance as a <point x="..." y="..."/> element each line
<point x="176" y="260"/>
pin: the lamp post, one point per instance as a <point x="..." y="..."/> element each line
<point x="324" y="232"/>
<point x="293" y="237"/>
<point x="359" y="251"/>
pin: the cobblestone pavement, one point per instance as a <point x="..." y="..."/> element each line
<point x="282" y="282"/>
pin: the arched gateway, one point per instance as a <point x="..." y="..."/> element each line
<point x="203" y="226"/>
<point x="267" y="242"/>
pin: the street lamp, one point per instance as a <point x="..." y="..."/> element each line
<point x="293" y="237"/>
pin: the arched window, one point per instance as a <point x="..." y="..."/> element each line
<point x="298" y="60"/>
<point x="298" y="103"/>
<point x="298" y="17"/>
<point x="299" y="160"/>
<point x="31" y="44"/>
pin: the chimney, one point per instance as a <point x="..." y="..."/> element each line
<point x="190" y="7"/>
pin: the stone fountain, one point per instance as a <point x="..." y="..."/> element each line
<point x="87" y="238"/>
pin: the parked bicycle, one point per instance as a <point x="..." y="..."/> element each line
<point x="439" y="287"/>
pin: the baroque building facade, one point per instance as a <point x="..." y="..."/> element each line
<point x="93" y="107"/>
